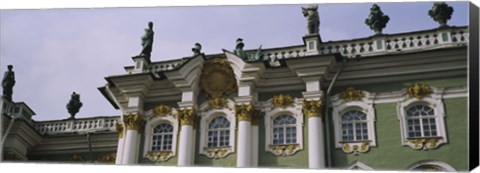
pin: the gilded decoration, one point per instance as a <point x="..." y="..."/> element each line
<point x="119" y="129"/>
<point x="284" y="150"/>
<point x="108" y="158"/>
<point x="423" y="143"/>
<point x="282" y="101"/>
<point x="77" y="158"/>
<point x="217" y="79"/>
<point x="256" y="117"/>
<point x="351" y="94"/>
<point x="217" y="103"/>
<point x="244" y="112"/>
<point x="187" y="117"/>
<point x="217" y="152"/>
<point x="355" y="148"/>
<point x="159" y="156"/>
<point x="313" y="108"/>
<point x="133" y="122"/>
<point x="418" y="90"/>
<point x="162" y="110"/>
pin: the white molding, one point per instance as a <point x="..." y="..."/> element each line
<point x="444" y="166"/>
<point x="151" y="123"/>
<point x="360" y="165"/>
<point x="365" y="105"/>
<point x="209" y="115"/>
<point x="270" y="114"/>
<point x="401" y="95"/>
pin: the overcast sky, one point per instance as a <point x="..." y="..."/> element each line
<point x="57" y="51"/>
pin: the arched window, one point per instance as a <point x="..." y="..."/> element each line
<point x="354" y="126"/>
<point x="421" y="122"/>
<point x="162" y="137"/>
<point x="218" y="132"/>
<point x="284" y="130"/>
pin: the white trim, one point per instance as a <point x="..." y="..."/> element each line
<point x="444" y="166"/>
<point x="360" y="165"/>
<point x="270" y="114"/>
<point x="444" y="93"/>
<point x="152" y="122"/>
<point x="209" y="115"/>
<point x="364" y="105"/>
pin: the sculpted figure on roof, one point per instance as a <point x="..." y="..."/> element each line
<point x="147" y="40"/>
<point x="313" y="21"/>
<point x="8" y="82"/>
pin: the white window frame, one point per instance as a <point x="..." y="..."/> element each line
<point x="273" y="112"/>
<point x="360" y="165"/>
<point x="152" y="122"/>
<point x="365" y="105"/>
<point x="207" y="115"/>
<point x="434" y="101"/>
<point x="444" y="166"/>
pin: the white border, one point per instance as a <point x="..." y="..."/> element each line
<point x="151" y="123"/>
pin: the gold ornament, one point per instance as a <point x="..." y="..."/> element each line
<point x="108" y="158"/>
<point x="424" y="143"/>
<point x="217" y="103"/>
<point x="119" y="129"/>
<point x="282" y="101"/>
<point x="133" y="122"/>
<point x="284" y="150"/>
<point x="244" y="112"/>
<point x="351" y="94"/>
<point x="256" y="117"/>
<point x="217" y="79"/>
<point x="313" y="108"/>
<point x="159" y="156"/>
<point x="418" y="90"/>
<point x="162" y="110"/>
<point x="77" y="158"/>
<point x="187" y="116"/>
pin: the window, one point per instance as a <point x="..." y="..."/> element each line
<point x="218" y="132"/>
<point x="284" y="130"/>
<point x="430" y="166"/>
<point x="354" y="126"/>
<point x="353" y="119"/>
<point x="162" y="137"/>
<point x="421" y="122"/>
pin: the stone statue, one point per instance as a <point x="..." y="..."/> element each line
<point x="313" y="21"/>
<point x="441" y="13"/>
<point x="239" y="49"/>
<point x="377" y="20"/>
<point x="196" y="50"/>
<point x="8" y="82"/>
<point x="147" y="40"/>
<point x="74" y="105"/>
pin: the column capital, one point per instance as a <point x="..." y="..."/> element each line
<point x="244" y="112"/>
<point x="133" y="122"/>
<point x="256" y="117"/>
<point x="187" y="116"/>
<point x="313" y="108"/>
<point x="119" y="129"/>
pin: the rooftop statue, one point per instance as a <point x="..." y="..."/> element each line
<point x="313" y="21"/>
<point x="8" y="82"/>
<point x="74" y="105"/>
<point x="196" y="50"/>
<point x="441" y="13"/>
<point x="147" y="40"/>
<point x="377" y="20"/>
<point x="242" y="54"/>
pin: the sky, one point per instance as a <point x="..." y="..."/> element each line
<point x="58" y="51"/>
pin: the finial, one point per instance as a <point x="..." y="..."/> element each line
<point x="377" y="20"/>
<point x="441" y="12"/>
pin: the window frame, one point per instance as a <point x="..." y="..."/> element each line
<point x="152" y="122"/>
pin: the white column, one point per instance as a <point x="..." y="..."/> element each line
<point x="119" y="156"/>
<point x="185" y="146"/>
<point x="254" y="145"/>
<point x="244" y="144"/>
<point x="129" y="150"/>
<point x="316" y="151"/>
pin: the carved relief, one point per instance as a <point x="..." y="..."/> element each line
<point x="313" y="108"/>
<point x="119" y="129"/>
<point x="108" y="158"/>
<point x="217" y="79"/>
<point x="282" y="101"/>
<point x="418" y="90"/>
<point x="217" y="103"/>
<point x="159" y="156"/>
<point x="284" y="150"/>
<point x="244" y="112"/>
<point x="423" y="143"/>
<point x="351" y="94"/>
<point x="217" y="152"/>
<point x="356" y="147"/>
<point x="162" y="110"/>
<point x="187" y="117"/>
<point x="133" y="122"/>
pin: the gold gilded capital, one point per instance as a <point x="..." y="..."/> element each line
<point x="187" y="117"/>
<point x="133" y="122"/>
<point x="244" y="112"/>
<point x="313" y="108"/>
<point x="119" y="129"/>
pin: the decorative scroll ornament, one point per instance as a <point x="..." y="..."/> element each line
<point x="133" y="122"/>
<point x="418" y="90"/>
<point x="217" y="152"/>
<point x="256" y="117"/>
<point x="119" y="129"/>
<point x="77" y="158"/>
<point x="108" y="158"/>
<point x="282" y="101"/>
<point x="313" y="108"/>
<point x="217" y="103"/>
<point x="244" y="112"/>
<point x="355" y="148"/>
<point x="284" y="150"/>
<point x="159" y="156"/>
<point x="217" y="79"/>
<point x="423" y="143"/>
<point x="351" y="94"/>
<point x="187" y="116"/>
<point x="162" y="110"/>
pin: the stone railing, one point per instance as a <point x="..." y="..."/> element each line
<point x="76" y="126"/>
<point x="380" y="44"/>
